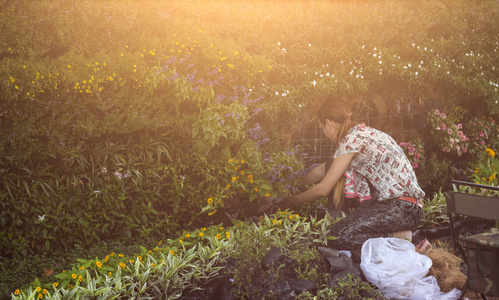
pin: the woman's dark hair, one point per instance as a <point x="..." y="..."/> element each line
<point x="338" y="111"/>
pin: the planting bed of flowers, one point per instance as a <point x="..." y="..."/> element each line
<point x="143" y="142"/>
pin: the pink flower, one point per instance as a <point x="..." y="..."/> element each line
<point x="443" y="126"/>
<point x="415" y="165"/>
<point x="443" y="116"/>
<point x="449" y="131"/>
<point x="417" y="155"/>
<point x="446" y="149"/>
<point x="465" y="149"/>
<point x="451" y="141"/>
<point x="437" y="112"/>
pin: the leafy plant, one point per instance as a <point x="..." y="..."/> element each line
<point x="434" y="210"/>
<point x="487" y="168"/>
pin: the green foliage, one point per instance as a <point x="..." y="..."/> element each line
<point x="286" y="230"/>
<point x="112" y="134"/>
<point x="434" y="210"/>
<point x="168" y="269"/>
<point x="487" y="168"/>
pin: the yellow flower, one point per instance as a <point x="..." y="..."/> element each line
<point x="17" y="292"/>
<point x="122" y="265"/>
<point x="99" y="264"/>
<point x="80" y="278"/>
<point x="171" y="252"/>
<point x="234" y="178"/>
<point x="74" y="276"/>
<point x="267" y="195"/>
<point x="40" y="296"/>
<point x="131" y="261"/>
<point x="230" y="66"/>
<point x="69" y="66"/>
<point x="38" y="288"/>
<point x="181" y="242"/>
<point x="210" y="200"/>
<point x="291" y="217"/>
<point x="44" y="291"/>
<point x="230" y="161"/>
<point x="228" y="186"/>
<point x="70" y="286"/>
<point x="110" y="274"/>
<point x="55" y="284"/>
<point x="256" y="189"/>
<point x="274" y="221"/>
<point x="106" y="258"/>
<point x="219" y="236"/>
<point x="121" y="255"/>
<point x="490" y="152"/>
<point x="212" y="212"/>
<point x="201" y="234"/>
<point x="227" y="234"/>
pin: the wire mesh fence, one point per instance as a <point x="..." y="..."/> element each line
<point x="403" y="119"/>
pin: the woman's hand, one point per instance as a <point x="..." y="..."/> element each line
<point x="290" y="202"/>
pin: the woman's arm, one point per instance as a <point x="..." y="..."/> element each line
<point x="314" y="176"/>
<point x="326" y="185"/>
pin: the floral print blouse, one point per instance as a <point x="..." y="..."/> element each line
<point x="380" y="170"/>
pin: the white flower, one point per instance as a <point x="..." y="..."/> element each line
<point x="310" y="45"/>
<point x="278" y="43"/>
<point x="41" y="217"/>
<point x="104" y="170"/>
<point x="314" y="83"/>
<point x="118" y="175"/>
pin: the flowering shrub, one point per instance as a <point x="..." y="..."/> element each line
<point x="482" y="132"/>
<point x="431" y="170"/>
<point x="414" y="151"/>
<point x="448" y="133"/>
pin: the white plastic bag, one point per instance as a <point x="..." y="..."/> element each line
<point x="395" y="267"/>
